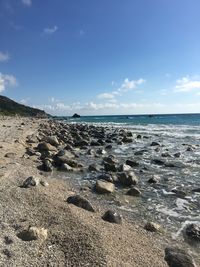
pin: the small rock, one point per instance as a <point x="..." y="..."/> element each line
<point x="53" y="140"/>
<point x="47" y="166"/>
<point x="31" y="181"/>
<point x="45" y="147"/>
<point x="104" y="187"/>
<point x="33" y="233"/>
<point x="192" y="231"/>
<point x="110" y="167"/>
<point x="112" y="217"/>
<point x="93" y="168"/>
<point x="132" y="163"/>
<point x="66" y="167"/>
<point x="176" y="257"/>
<point x="134" y="191"/>
<point x="44" y="183"/>
<point x="152" y="227"/>
<point x="179" y="193"/>
<point x="154" y="144"/>
<point x="10" y="155"/>
<point x="124" y="168"/>
<point x="127" y="179"/>
<point x="105" y="176"/>
<point x="80" y="202"/>
<point x="177" y="155"/>
<point x="154" y="180"/>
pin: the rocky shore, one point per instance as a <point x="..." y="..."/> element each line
<point x="47" y="221"/>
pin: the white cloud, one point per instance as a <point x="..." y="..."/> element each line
<point x="7" y="80"/>
<point x="4" y="57"/>
<point x="50" y="31"/>
<point x="106" y="96"/>
<point x="187" y="84"/>
<point x="126" y="86"/>
<point x="27" y="2"/>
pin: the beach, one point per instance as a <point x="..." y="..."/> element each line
<point x="68" y="235"/>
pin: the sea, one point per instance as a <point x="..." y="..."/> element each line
<point x="159" y="202"/>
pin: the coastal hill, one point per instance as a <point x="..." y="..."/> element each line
<point x="10" y="108"/>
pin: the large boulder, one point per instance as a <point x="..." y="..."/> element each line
<point x="80" y="202"/>
<point x="44" y="146"/>
<point x="176" y="257"/>
<point x="53" y="140"/>
<point x="103" y="187"/>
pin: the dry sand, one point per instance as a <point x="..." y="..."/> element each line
<point x="76" y="237"/>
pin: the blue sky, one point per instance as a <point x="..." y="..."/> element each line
<point x="101" y="57"/>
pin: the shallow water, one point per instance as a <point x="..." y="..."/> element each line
<point x="158" y="203"/>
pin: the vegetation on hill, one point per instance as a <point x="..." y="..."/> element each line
<point x="9" y="107"/>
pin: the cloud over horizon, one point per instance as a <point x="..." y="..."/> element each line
<point x="187" y="84"/>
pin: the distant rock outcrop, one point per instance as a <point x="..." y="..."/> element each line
<point x="76" y="115"/>
<point x="9" y="107"/>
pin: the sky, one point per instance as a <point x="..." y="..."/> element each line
<point x="101" y="57"/>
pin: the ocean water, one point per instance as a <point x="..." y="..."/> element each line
<point x="158" y="203"/>
<point x="174" y="119"/>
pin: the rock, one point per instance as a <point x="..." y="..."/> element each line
<point x="134" y="191"/>
<point x="154" y="180"/>
<point x="66" y="167"/>
<point x="196" y="190"/>
<point x="80" y="202"/>
<point x="110" y="167"/>
<point x="139" y="136"/>
<point x="10" y="155"/>
<point x="152" y="227"/>
<point x="76" y="116"/>
<point x="112" y="217"/>
<point x="165" y="155"/>
<point x="53" y="140"/>
<point x="128" y="178"/>
<point x="105" y="176"/>
<point x="192" y="231"/>
<point x="101" y="151"/>
<point x="47" y="166"/>
<point x="179" y="193"/>
<point x="82" y="143"/>
<point x="31" y="181"/>
<point x="132" y="163"/>
<point x="108" y="147"/>
<point x="176" y="257"/>
<point x="93" y="168"/>
<point x="66" y="158"/>
<point x="46" y="147"/>
<point x="154" y="144"/>
<point x="124" y="168"/>
<point x="33" y="233"/>
<point x="158" y="162"/>
<point x="110" y="160"/>
<point x="104" y="187"/>
<point x="95" y="143"/>
<point x="177" y="155"/>
<point x="127" y="139"/>
<point x="44" y="183"/>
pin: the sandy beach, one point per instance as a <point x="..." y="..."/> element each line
<point x="74" y="236"/>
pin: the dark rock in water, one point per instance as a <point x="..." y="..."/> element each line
<point x="192" y="231"/>
<point x="154" y="180"/>
<point x="179" y="193"/>
<point x="110" y="159"/>
<point x="158" y="162"/>
<point x="93" y="168"/>
<point x="108" y="147"/>
<point x="104" y="187"/>
<point x="140" y="152"/>
<point x="75" y="116"/>
<point x="61" y="153"/>
<point x="196" y="190"/>
<point x="189" y="149"/>
<point x="139" y="136"/>
<point x="154" y="144"/>
<point x="165" y="155"/>
<point x="132" y="163"/>
<point x="134" y="191"/>
<point x="127" y="139"/>
<point x="65" y="168"/>
<point x="80" y="202"/>
<point x="95" y="143"/>
<point x="110" y="167"/>
<point x="177" y="155"/>
<point x="173" y="164"/>
<point x="128" y="178"/>
<point x="176" y="257"/>
<point x="112" y="217"/>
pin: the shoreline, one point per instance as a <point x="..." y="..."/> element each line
<point x="75" y="237"/>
